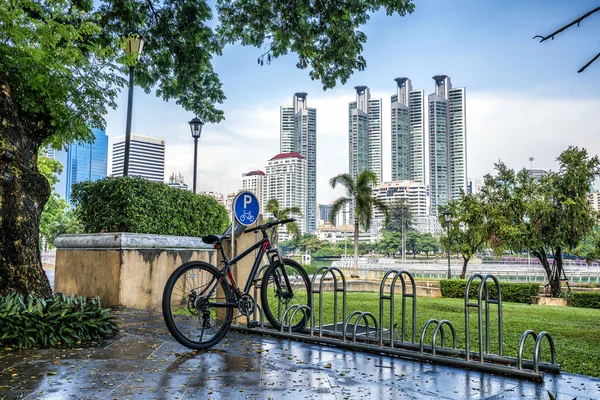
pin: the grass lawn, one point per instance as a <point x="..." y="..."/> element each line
<point x="575" y="331"/>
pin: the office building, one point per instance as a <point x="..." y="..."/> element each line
<point x="81" y="162"/>
<point x="408" y="132"/>
<point x="324" y="211"/>
<point x="447" y="143"/>
<point x="298" y="134"/>
<point x="146" y="157"/>
<point x="364" y="134"/>
<point x="285" y="180"/>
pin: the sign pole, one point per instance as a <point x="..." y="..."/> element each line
<point x="233" y="219"/>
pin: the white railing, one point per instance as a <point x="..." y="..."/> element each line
<point x="504" y="272"/>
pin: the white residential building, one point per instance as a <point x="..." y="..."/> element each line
<point x="146" y="157"/>
<point x="298" y="133"/>
<point x="253" y="182"/>
<point x="285" y="180"/>
<point x="594" y="198"/>
<point x="413" y="193"/>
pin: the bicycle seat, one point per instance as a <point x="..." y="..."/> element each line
<point x="212" y="239"/>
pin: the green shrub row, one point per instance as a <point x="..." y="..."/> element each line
<point x="27" y="322"/>
<point x="133" y="204"/>
<point x="586" y="299"/>
<point x="512" y="292"/>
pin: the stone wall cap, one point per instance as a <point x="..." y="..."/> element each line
<point x="125" y="240"/>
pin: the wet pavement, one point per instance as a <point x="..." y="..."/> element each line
<point x="144" y="362"/>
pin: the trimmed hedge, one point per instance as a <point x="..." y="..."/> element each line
<point x="586" y="299"/>
<point x="27" y="322"/>
<point x="511" y="292"/>
<point x="133" y="204"/>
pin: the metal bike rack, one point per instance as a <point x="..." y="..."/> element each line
<point x="335" y="274"/>
<point x="362" y="316"/>
<point x="361" y="331"/>
<point x="483" y="287"/>
<point x="536" y="349"/>
<point x="382" y="296"/>
<point x="439" y="328"/>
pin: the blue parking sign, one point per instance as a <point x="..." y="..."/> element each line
<point x="246" y="208"/>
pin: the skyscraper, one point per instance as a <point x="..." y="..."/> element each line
<point x="364" y="134"/>
<point x="81" y="162"/>
<point x="447" y="142"/>
<point x="146" y="157"/>
<point x="285" y="180"/>
<point x="298" y="133"/>
<point x="408" y="132"/>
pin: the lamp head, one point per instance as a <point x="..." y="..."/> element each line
<point x="196" y="127"/>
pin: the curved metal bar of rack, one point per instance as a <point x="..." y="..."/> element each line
<point x="391" y="297"/>
<point x="334" y="272"/>
<point x="483" y="288"/>
<point x="362" y="316"/>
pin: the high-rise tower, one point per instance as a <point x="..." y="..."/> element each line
<point x="408" y="132"/>
<point x="447" y="142"/>
<point x="299" y="134"/>
<point x="364" y="134"/>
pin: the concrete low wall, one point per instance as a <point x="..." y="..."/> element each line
<point x="424" y="289"/>
<point x="124" y="269"/>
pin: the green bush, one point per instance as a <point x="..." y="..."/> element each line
<point x="586" y="299"/>
<point x="512" y="292"/>
<point x="27" y="322"/>
<point x="132" y="204"/>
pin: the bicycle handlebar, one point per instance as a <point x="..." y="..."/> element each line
<point x="269" y="225"/>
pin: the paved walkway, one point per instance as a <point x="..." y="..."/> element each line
<point x="144" y="362"/>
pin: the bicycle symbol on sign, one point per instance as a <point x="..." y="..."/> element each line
<point x="246" y="216"/>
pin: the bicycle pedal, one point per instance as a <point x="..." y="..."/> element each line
<point x="253" y="324"/>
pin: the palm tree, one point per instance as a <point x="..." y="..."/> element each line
<point x="359" y="194"/>
<point x="278" y="213"/>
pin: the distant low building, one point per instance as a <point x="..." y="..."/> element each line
<point x="537" y="173"/>
<point x="176" y="181"/>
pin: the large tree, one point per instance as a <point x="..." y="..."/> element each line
<point x="62" y="66"/>
<point x="468" y="233"/>
<point x="359" y="197"/>
<point x="401" y="220"/>
<point x="545" y="217"/>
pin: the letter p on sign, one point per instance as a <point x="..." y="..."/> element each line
<point x="247" y="200"/>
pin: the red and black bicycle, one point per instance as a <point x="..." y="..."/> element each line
<point x="199" y="299"/>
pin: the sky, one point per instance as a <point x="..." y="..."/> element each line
<point x="524" y="98"/>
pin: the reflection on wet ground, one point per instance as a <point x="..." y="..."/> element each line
<point x="144" y="362"/>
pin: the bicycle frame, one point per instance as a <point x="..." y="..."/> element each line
<point x="263" y="246"/>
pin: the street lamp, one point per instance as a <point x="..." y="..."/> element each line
<point x="196" y="127"/>
<point x="448" y="216"/>
<point x="133" y="44"/>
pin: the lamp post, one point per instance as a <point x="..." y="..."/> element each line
<point x="448" y="216"/>
<point x="196" y="127"/>
<point x="133" y="44"/>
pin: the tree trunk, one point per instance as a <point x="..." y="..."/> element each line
<point x="356" y="247"/>
<point x="464" y="268"/>
<point x="23" y="194"/>
<point x="553" y="279"/>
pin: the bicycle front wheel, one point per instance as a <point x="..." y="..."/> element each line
<point x="276" y="296"/>
<point x="197" y="307"/>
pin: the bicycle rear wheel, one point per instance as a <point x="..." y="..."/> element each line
<point x="194" y="307"/>
<point x="276" y="297"/>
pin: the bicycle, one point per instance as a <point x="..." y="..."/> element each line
<point x="198" y="301"/>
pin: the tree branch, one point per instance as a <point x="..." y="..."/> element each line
<point x="577" y="21"/>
